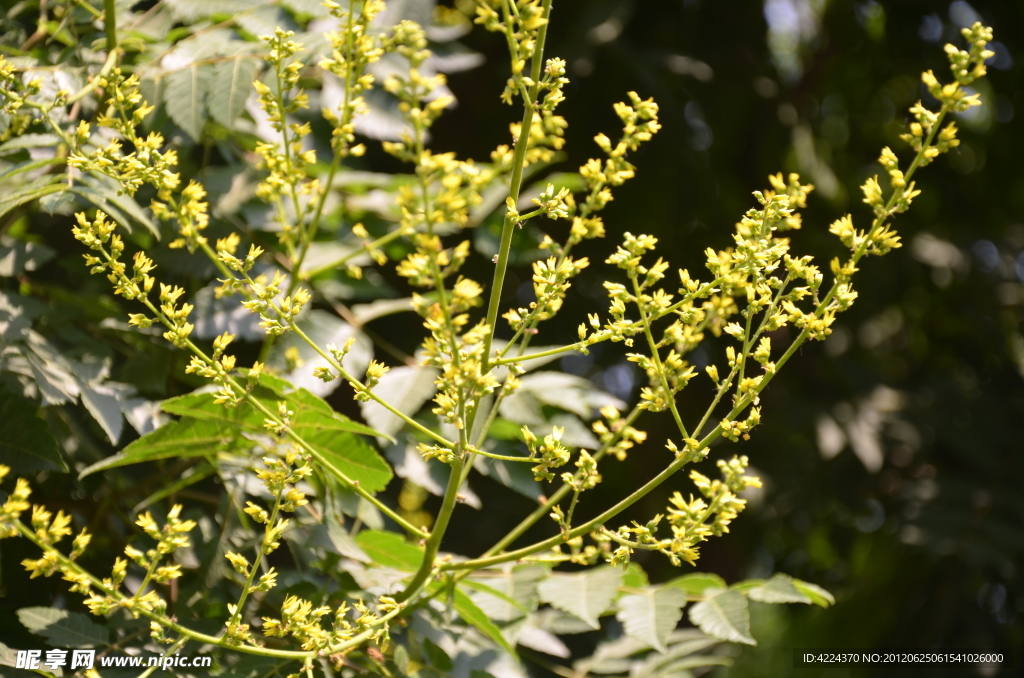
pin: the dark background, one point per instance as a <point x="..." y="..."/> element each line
<point x="922" y="544"/>
<point x="891" y="453"/>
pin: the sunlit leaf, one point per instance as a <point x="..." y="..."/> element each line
<point x="586" y="595"/>
<point x="180" y="439"/>
<point x="652" y="615"/>
<point x="724" y="615"/>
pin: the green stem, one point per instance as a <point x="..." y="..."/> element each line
<point x="244" y="393"/>
<point x="239" y="607"/>
<point x="346" y="117"/>
<point x="542" y="354"/>
<point x="433" y="544"/>
<point x="108" y="65"/>
<point x="376" y="244"/>
<point x="110" y="24"/>
<point x="559" y="494"/>
<point x="518" y="161"/>
<point x="180" y="643"/>
<point x="669" y="395"/>
<point x="743" y="403"/>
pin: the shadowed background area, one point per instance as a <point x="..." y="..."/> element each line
<point x="891" y="452"/>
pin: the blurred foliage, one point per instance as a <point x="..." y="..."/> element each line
<point x="892" y="475"/>
<point x="893" y="461"/>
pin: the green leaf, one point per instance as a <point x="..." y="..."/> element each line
<point x="818" y="595"/>
<point x="518" y="589"/>
<point x="107" y="188"/>
<point x="24" y="141"/>
<point x="310" y="411"/>
<point x="681" y="667"/>
<point x="586" y="595"/>
<point x="180" y="439"/>
<point x="724" y="615"/>
<point x="62" y="628"/>
<point x="634" y="576"/>
<point x="331" y="537"/>
<point x="437" y="657"/>
<point x="474" y="616"/>
<point x="328" y="433"/>
<point x="28" y="193"/>
<point x="509" y="601"/>
<point x="683" y="646"/>
<point x="389" y="550"/>
<point x="778" y="589"/>
<point x="230" y="86"/>
<point x="28" y="165"/>
<point x="401" y="659"/>
<point x="26" y="446"/>
<point x="313" y="412"/>
<point x="184" y="98"/>
<point x="651" y="616"/>
<point x="694" y="585"/>
<point x="8" y="656"/>
<point x="350" y="455"/>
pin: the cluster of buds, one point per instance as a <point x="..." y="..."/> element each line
<point x="286" y="162"/>
<point x="640" y="124"/>
<point x="226" y="248"/>
<point x="15" y="504"/>
<point x="676" y="372"/>
<point x="694" y="520"/>
<point x="175" y="316"/>
<point x="551" y="282"/>
<point x="15" y="93"/>
<point x="462" y="378"/>
<point x="351" y="52"/>
<point x="630" y="538"/>
<point x="302" y="621"/>
<point x="550" y="451"/>
<point x="617" y="436"/>
<point x="218" y="368"/>
<point x="374" y="371"/>
<point x="146" y="164"/>
<point x="555" y="204"/>
<point x="173" y="535"/>
<point x="586" y="477"/>
<point x="276" y="315"/>
<point x="547" y="135"/>
<point x="422" y="94"/>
